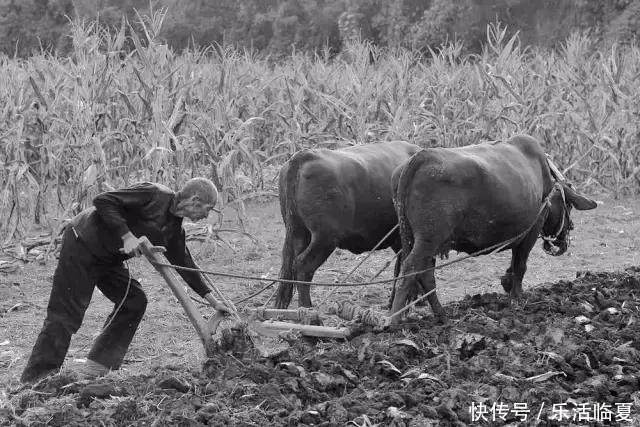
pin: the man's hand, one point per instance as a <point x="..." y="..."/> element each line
<point x="216" y="304"/>
<point x="131" y="245"/>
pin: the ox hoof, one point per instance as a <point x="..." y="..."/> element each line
<point x="394" y="321"/>
<point x="422" y="303"/>
<point x="440" y="316"/>
<point x="516" y="293"/>
<point x="441" y="319"/>
<point x="280" y="304"/>
<point x="507" y="283"/>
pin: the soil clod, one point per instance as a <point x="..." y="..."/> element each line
<point x="534" y="354"/>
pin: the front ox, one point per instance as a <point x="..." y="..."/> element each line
<point x="471" y="199"/>
<point x="336" y="199"/>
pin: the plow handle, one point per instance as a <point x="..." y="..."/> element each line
<point x="204" y="329"/>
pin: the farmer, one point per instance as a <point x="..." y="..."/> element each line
<point x="94" y="246"/>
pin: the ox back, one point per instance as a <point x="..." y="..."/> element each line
<point x="469" y="199"/>
<point x="336" y="199"/>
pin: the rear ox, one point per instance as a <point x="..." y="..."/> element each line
<point x="336" y="199"/>
<point x="472" y="198"/>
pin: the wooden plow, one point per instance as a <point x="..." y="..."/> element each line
<point x="270" y="323"/>
<point x="205" y="329"/>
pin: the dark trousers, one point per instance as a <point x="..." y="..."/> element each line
<point x="76" y="275"/>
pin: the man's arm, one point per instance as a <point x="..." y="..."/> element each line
<point x="178" y="254"/>
<point x="112" y="205"/>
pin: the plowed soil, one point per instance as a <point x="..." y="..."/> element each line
<point x="573" y="341"/>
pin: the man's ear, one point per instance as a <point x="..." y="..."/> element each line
<point x="185" y="201"/>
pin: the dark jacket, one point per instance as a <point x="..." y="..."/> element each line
<point x="142" y="209"/>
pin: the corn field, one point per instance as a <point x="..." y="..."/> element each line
<point x="106" y="117"/>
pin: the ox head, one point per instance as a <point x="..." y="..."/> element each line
<point x="558" y="224"/>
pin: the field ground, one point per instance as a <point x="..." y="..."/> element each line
<point x="605" y="239"/>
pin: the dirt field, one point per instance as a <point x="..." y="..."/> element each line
<point x="351" y="383"/>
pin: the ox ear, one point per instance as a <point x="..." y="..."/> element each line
<point x="578" y="201"/>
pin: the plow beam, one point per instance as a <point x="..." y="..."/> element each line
<point x="304" y="315"/>
<point x="273" y="328"/>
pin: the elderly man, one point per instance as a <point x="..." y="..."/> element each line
<point x="94" y="246"/>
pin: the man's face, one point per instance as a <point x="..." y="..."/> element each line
<point x="194" y="209"/>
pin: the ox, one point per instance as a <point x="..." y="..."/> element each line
<point x="471" y="199"/>
<point x="336" y="199"/>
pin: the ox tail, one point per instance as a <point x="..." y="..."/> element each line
<point x="289" y="210"/>
<point x="401" y="196"/>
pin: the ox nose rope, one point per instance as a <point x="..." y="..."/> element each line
<point x="555" y="235"/>
<point x="550" y="241"/>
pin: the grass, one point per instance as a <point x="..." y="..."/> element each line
<point x="109" y="116"/>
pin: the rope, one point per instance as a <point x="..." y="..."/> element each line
<point x="351" y="312"/>
<point x="124" y="297"/>
<point x="555" y="235"/>
<point x="230" y="305"/>
<point x="232" y="309"/>
<point x="243" y="300"/>
<point x="270" y="297"/>
<point x="412" y="303"/>
<point x="255" y="294"/>
<point x="117" y="309"/>
<point x="386" y="265"/>
<point x="375" y="276"/>
<point x="332" y="284"/>
<point x="326" y="298"/>
<point x="265" y="279"/>
<point x="488" y="250"/>
<point x="370" y="252"/>
<point x="346" y="284"/>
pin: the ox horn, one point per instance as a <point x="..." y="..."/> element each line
<point x="555" y="172"/>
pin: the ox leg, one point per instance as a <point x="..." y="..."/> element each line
<point x="519" y="257"/>
<point x="400" y="295"/>
<point x="422" y="283"/>
<point x="396" y="272"/>
<point x="306" y="265"/>
<point x="296" y="245"/>
<point x="427" y="284"/>
<point x="507" y="280"/>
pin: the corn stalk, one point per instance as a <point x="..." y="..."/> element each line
<point x="108" y="117"/>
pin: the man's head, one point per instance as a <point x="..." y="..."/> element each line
<point x="196" y="199"/>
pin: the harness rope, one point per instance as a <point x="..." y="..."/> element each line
<point x="395" y="227"/>
<point x="565" y="218"/>
<point x="124" y="297"/>
<point x="498" y="246"/>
